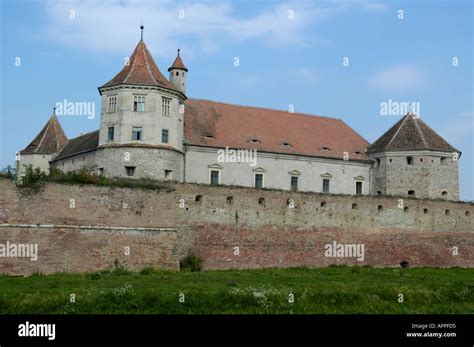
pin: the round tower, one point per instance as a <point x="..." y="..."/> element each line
<point x="178" y="74"/>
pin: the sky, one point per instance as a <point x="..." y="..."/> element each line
<point x="341" y="59"/>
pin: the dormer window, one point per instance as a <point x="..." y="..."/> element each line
<point x="358" y="153"/>
<point x="139" y="103"/>
<point x="286" y="144"/>
<point x="255" y="141"/>
<point x="209" y="136"/>
<point x="325" y="148"/>
<point x="112" y="104"/>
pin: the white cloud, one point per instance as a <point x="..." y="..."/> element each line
<point x="109" y="26"/>
<point x="397" y="79"/>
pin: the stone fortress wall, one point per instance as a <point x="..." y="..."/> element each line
<point x="87" y="228"/>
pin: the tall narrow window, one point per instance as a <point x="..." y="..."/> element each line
<point x="258" y="180"/>
<point x="325" y="185"/>
<point x="165" y="106"/>
<point x="164" y="135"/>
<point x="112" y="107"/>
<point x="358" y="188"/>
<point x="294" y="183"/>
<point x="214" y="177"/>
<point x="139" y="103"/>
<point x="110" y="134"/>
<point x="410" y="160"/>
<point x="137" y="133"/>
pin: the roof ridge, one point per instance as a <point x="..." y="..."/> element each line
<point x="420" y="132"/>
<point x="44" y="134"/>
<point x="133" y="64"/>
<point x="396" y="132"/>
<point x="147" y="64"/>
<point x="270" y="109"/>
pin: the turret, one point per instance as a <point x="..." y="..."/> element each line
<point x="178" y="74"/>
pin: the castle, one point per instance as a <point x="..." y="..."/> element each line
<point x="150" y="129"/>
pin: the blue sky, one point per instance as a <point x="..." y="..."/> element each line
<point x="283" y="60"/>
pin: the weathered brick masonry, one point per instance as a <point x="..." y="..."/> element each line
<point x="266" y="231"/>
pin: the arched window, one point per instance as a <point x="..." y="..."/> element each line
<point x="410" y="160"/>
<point x="444" y="193"/>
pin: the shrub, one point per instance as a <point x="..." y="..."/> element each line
<point x="191" y="262"/>
<point x="33" y="177"/>
<point x="147" y="270"/>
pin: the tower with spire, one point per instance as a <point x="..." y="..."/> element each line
<point x="178" y="74"/>
<point x="141" y="127"/>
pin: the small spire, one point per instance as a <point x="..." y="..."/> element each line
<point x="141" y="32"/>
<point x="178" y="51"/>
<point x="54" y="110"/>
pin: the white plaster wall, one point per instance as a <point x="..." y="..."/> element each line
<point x="37" y="160"/>
<point x="277" y="168"/>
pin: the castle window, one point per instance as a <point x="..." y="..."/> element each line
<point x="198" y="198"/>
<point x="444" y="161"/>
<point x="377" y="162"/>
<point x="444" y="193"/>
<point x="425" y="211"/>
<point x="214" y="177"/>
<point x="165" y="106"/>
<point x="137" y="133"/>
<point x="447" y="212"/>
<point x="379" y="192"/>
<point x="130" y="170"/>
<point x="168" y="174"/>
<point x="164" y="135"/>
<point x="325" y="185"/>
<point x="421" y="160"/>
<point x="467" y="213"/>
<point x="325" y="148"/>
<point x="177" y="73"/>
<point x="390" y="160"/>
<point x="261" y="201"/>
<point x="112" y="105"/>
<point x="230" y="200"/>
<point x="411" y="193"/>
<point x="358" y="188"/>
<point x="380" y="207"/>
<point x="110" y="134"/>
<point x="139" y="103"/>
<point x="354" y="206"/>
<point x="405" y="209"/>
<point x="258" y="180"/>
<point x="294" y="183"/>
<point x="101" y="171"/>
<point x="410" y="160"/>
<point x="323" y="204"/>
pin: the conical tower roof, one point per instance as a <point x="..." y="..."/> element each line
<point x="178" y="64"/>
<point x="410" y="134"/>
<point x="141" y="70"/>
<point x="51" y="139"/>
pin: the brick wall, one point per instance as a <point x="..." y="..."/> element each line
<point x="229" y="227"/>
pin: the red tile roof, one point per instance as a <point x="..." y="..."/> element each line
<point x="410" y="134"/>
<point x="141" y="69"/>
<point x="215" y="124"/>
<point x="81" y="144"/>
<point x="178" y="64"/>
<point x="51" y="139"/>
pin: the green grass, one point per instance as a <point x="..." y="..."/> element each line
<point x="322" y="290"/>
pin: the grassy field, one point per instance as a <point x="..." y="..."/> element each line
<point x="322" y="290"/>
